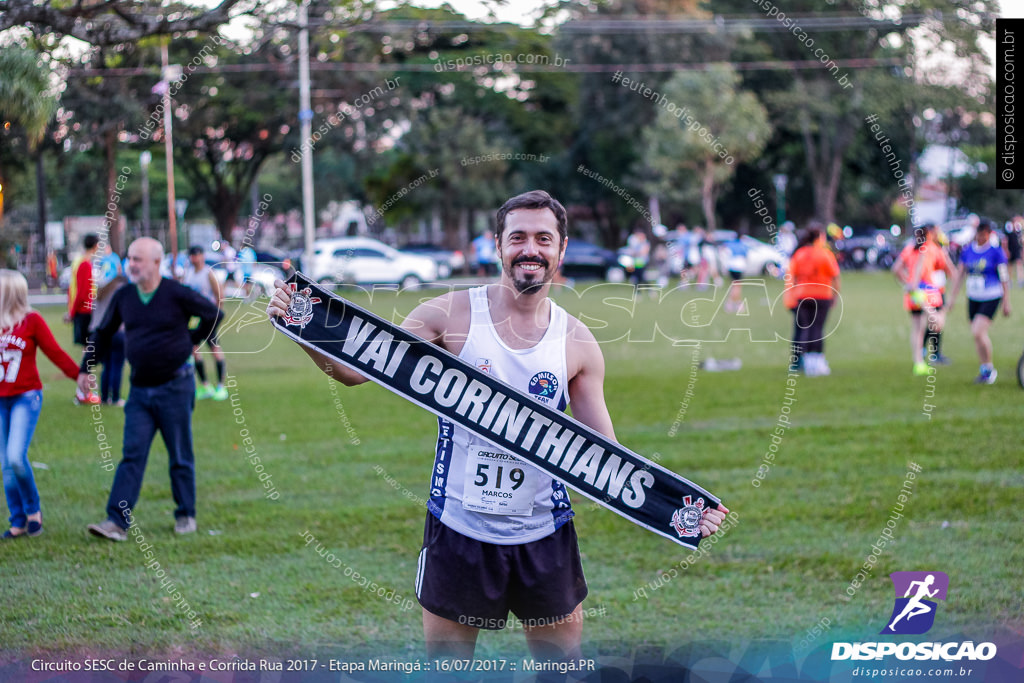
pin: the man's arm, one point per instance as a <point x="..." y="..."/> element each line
<point x="586" y="379"/>
<point x="99" y="341"/>
<point x="428" y="320"/>
<point x="194" y="303"/>
<point x="278" y="307"/>
<point x="216" y="288"/>
<point x="586" y="395"/>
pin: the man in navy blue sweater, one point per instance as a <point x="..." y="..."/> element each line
<point x="158" y="344"/>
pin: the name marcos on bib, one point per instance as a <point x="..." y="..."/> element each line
<point x="606" y="472"/>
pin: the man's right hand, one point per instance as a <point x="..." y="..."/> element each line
<point x="84" y="383"/>
<point x="279" y="302"/>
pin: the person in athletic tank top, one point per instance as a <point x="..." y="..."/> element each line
<point x="200" y="277"/>
<point x="499" y="535"/>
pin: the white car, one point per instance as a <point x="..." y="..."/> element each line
<point x="361" y="260"/>
<point x="763" y="258"/>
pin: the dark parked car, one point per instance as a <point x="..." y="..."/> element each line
<point x="586" y="260"/>
<point x="448" y="261"/>
<point x="276" y="257"/>
<point x="866" y="251"/>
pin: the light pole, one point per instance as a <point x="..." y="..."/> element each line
<point x="145" y="157"/>
<point x="306" y="130"/>
<point x="170" y="73"/>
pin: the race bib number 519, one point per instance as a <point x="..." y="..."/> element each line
<point x="497" y="483"/>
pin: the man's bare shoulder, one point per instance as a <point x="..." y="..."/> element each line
<point x="442" y="320"/>
<point x="577" y="332"/>
<point x="581" y="347"/>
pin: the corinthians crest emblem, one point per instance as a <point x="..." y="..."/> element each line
<point x="686" y="520"/>
<point x="300" y="308"/>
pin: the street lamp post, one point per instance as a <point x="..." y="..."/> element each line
<point x="305" y="132"/>
<point x="145" y="157"/>
<point x="170" y="73"/>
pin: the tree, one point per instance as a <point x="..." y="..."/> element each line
<point x="605" y="114"/>
<point x="705" y="130"/>
<point x="26" y="99"/>
<point x="25" y="92"/>
<point x="119" y="22"/>
<point x="100" y="108"/>
<point x="226" y="124"/>
<point x="823" y="107"/>
<point x="431" y="167"/>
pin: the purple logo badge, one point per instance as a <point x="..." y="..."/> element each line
<point x="916" y="593"/>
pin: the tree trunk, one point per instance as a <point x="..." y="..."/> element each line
<point x="835" y="171"/>
<point x="113" y="213"/>
<point x="449" y="222"/>
<point x="41" y="202"/>
<point x="225" y="212"/>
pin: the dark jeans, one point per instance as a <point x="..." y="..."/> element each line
<point x="809" y="326"/>
<point x="80" y="328"/>
<point x="113" y="368"/>
<point x="167" y="408"/>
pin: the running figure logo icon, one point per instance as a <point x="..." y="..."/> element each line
<point x="300" y="308"/>
<point x="914" y="612"/>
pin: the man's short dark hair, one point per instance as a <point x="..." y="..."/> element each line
<point x="986" y="224"/>
<point x="90" y="241"/>
<point x="195" y="249"/>
<point x="535" y="199"/>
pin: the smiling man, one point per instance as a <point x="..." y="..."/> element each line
<point x="499" y="535"/>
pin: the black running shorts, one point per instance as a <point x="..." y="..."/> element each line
<point x="985" y="308"/>
<point x="476" y="583"/>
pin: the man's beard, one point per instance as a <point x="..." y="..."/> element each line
<point x="534" y="286"/>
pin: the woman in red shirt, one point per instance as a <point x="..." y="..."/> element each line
<point x="22" y="331"/>
<point x="812" y="283"/>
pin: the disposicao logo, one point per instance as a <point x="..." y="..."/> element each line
<point x="913" y="614"/>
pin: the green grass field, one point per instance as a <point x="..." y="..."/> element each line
<point x="799" y="542"/>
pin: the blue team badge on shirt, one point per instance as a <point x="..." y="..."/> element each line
<point x="544" y="385"/>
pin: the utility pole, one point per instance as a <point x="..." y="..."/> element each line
<point x="170" y="75"/>
<point x="305" y="133"/>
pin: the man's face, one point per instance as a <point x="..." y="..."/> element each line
<point x="143" y="264"/>
<point x="530" y="249"/>
<point x="196" y="260"/>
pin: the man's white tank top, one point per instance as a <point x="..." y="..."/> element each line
<point x="479" y="490"/>
<point x="200" y="281"/>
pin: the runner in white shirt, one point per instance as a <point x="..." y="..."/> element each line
<point x="499" y="535"/>
<point x="200" y="277"/>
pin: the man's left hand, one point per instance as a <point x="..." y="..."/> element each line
<point x="712" y="519"/>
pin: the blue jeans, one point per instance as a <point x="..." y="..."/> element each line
<point x="167" y="408"/>
<point x="113" y="367"/>
<point x="18" y="417"/>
